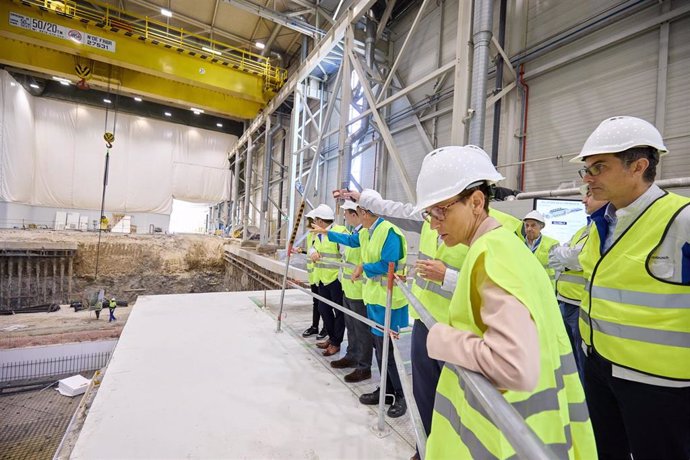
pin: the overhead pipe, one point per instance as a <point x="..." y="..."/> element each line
<point x="369" y="47"/>
<point x="662" y="183"/>
<point x="495" y="137"/>
<point x="483" y="22"/>
<point x="522" y="155"/>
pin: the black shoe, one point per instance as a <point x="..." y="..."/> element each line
<point x="322" y="335"/>
<point x="398" y="408"/>
<point x="311" y="330"/>
<point x="371" y="399"/>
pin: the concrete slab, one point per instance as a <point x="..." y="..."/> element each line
<point x="206" y="376"/>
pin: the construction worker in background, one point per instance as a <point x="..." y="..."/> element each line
<point x="435" y="279"/>
<point x="537" y="242"/>
<point x="326" y="256"/>
<point x="635" y="315"/>
<point x="97" y="308"/>
<point x="570" y="284"/>
<point x="360" y="341"/>
<point x="104" y="223"/>
<point x="112" y="306"/>
<point x="313" y="277"/>
<point x="381" y="243"/>
<point x="503" y="323"/>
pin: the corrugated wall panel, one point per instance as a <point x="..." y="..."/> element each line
<point x="568" y="103"/>
<point x="677" y="130"/>
<point x="548" y="17"/>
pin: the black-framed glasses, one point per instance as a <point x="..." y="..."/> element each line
<point x="439" y="212"/>
<point x="593" y="170"/>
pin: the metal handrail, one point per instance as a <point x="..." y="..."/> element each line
<point x="520" y="436"/>
<point x="176" y="37"/>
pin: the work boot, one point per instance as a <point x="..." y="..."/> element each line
<point x="343" y="363"/>
<point x="398" y="408"/>
<point x="358" y="375"/>
<point x="371" y="399"/>
<point x="331" y="350"/>
<point x="311" y="330"/>
<point x="322" y="335"/>
<point x="323" y="345"/>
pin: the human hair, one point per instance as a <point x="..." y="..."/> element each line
<point x="633" y="154"/>
<point x="485" y="188"/>
<point x="351" y="212"/>
<point x="328" y="221"/>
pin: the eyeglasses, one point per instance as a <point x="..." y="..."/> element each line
<point x="439" y="212"/>
<point x="593" y="170"/>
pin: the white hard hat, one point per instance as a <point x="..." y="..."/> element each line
<point x="448" y="171"/>
<point x="370" y="193"/>
<point x="535" y="215"/>
<point x="618" y="134"/>
<point x="310" y="214"/>
<point x="323" y="211"/>
<point x="349" y="204"/>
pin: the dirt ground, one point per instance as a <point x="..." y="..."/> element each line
<point x="128" y="266"/>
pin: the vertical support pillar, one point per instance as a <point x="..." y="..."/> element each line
<point x="247" y="188"/>
<point x="461" y="87"/>
<point x="662" y="76"/>
<point x="345" y="158"/>
<point x="62" y="279"/>
<point x="3" y="288"/>
<point x="45" y="280"/>
<point x="10" y="267"/>
<point x="20" y="270"/>
<point x="53" y="292"/>
<point x="266" y="178"/>
<point x="483" y="22"/>
<point x="236" y="192"/>
<point x="69" y="277"/>
<point x="29" y="288"/>
<point x="37" y="285"/>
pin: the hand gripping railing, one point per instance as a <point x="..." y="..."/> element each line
<point x="502" y="414"/>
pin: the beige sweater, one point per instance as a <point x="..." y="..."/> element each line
<point x="508" y="352"/>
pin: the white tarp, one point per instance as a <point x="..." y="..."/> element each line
<point x="52" y="154"/>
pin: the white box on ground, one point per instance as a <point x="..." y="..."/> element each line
<point x="60" y="220"/>
<point x="73" y="386"/>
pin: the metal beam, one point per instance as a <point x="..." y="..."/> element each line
<point x="324" y="47"/>
<point x="462" y="73"/>
<point x="297" y="25"/>
<point x="385" y="17"/>
<point x="382" y="127"/>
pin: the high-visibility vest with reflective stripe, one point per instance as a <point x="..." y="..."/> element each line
<point x="311" y="269"/>
<point x="375" y="289"/>
<point x="542" y="255"/>
<point x="631" y="318"/>
<point x="556" y="409"/>
<point x="570" y="285"/>
<point x="430" y="293"/>
<point x="328" y="266"/>
<point x="351" y="289"/>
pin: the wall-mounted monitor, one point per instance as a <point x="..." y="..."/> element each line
<point x="563" y="217"/>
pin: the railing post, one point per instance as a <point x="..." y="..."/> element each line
<point x="381" y="429"/>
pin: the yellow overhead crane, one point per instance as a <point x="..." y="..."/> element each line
<point x="149" y="58"/>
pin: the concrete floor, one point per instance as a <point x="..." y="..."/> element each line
<point x="206" y="376"/>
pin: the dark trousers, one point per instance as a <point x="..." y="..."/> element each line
<point x="393" y="385"/>
<point x="315" y="315"/>
<point x="647" y="421"/>
<point x="333" y="319"/>
<point x="112" y="315"/>
<point x="570" y="315"/>
<point x="425" y="374"/>
<point x="360" y="340"/>
<point x="98" y="314"/>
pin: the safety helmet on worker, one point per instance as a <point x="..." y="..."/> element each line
<point x="448" y="171"/>
<point x="617" y="134"/>
<point x="323" y="212"/>
<point x="349" y="205"/>
<point x="535" y="215"/>
<point x="376" y="196"/>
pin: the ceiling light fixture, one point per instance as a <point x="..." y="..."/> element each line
<point x="137" y="98"/>
<point x="64" y="82"/>
<point x="196" y="111"/>
<point x="220" y="125"/>
<point x="167" y="114"/>
<point x="107" y="101"/>
<point x="166" y="13"/>
<point x="260" y="45"/>
<point x="34" y="86"/>
<point x="212" y="51"/>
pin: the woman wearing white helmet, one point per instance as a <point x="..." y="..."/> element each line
<point x="503" y="322"/>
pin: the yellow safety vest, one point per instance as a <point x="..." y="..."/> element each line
<point x="506" y="220"/>
<point x="629" y="317"/>
<point x="556" y="410"/>
<point x="311" y="269"/>
<point x="570" y="285"/>
<point x="328" y="267"/>
<point x="430" y="293"/>
<point x="351" y="289"/>
<point x="542" y="255"/>
<point x="375" y="289"/>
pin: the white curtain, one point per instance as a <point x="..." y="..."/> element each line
<point x="52" y="154"/>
